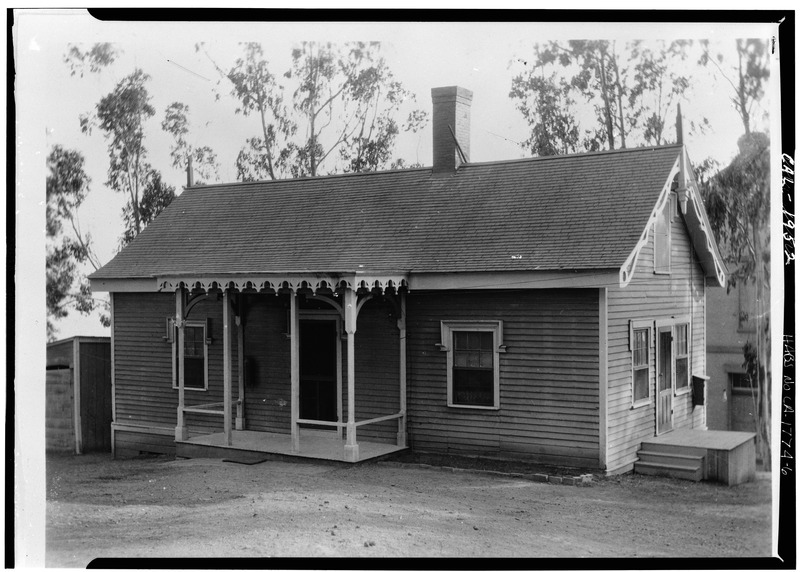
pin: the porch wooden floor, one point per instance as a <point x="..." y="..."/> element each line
<point x="313" y="445"/>
<point x="726" y="456"/>
<point x="715" y="440"/>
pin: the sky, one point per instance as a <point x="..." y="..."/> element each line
<point x="482" y="57"/>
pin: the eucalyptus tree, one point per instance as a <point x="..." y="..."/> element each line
<point x="737" y="201"/>
<point x="92" y="60"/>
<point x="340" y="116"/>
<point x="121" y="115"/>
<point x="67" y="247"/>
<point x="182" y="152"/>
<point x="624" y="92"/>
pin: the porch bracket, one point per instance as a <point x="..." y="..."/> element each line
<point x="328" y="301"/>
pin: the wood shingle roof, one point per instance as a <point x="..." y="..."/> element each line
<point x="572" y="212"/>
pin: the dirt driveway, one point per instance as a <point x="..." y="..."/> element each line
<point x="157" y="507"/>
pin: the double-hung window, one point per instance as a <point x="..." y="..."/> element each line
<point x="640" y="348"/>
<point x="473" y="369"/>
<point x="195" y="356"/>
<point x="681" y="338"/>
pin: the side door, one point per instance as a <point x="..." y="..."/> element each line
<point x="664" y="380"/>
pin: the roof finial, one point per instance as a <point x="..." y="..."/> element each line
<point x="679" y="126"/>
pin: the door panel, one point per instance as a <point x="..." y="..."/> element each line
<point x="664" y="381"/>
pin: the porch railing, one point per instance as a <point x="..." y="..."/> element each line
<point x="217" y="408"/>
<point x="343" y="424"/>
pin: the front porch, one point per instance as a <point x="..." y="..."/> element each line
<point x="315" y="378"/>
<point x="255" y="445"/>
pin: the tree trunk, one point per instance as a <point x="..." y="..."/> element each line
<point x="763" y="413"/>
<point x="620" y="106"/>
<point x="609" y="119"/>
<point x="741" y="92"/>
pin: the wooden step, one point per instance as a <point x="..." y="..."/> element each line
<point x="670" y="448"/>
<point x="672" y="459"/>
<point x="665" y="470"/>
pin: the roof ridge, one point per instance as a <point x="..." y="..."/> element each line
<point x="427" y="168"/>
<point x="309" y="178"/>
<point x="573" y="155"/>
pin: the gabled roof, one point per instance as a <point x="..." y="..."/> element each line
<point x="572" y="212"/>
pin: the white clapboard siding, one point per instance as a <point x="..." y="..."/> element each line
<point x="650" y="297"/>
<point x="549" y="408"/>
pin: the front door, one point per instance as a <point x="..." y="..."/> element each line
<point x="318" y="370"/>
<point x="664" y="381"/>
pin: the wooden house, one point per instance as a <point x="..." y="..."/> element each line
<point x="551" y="309"/>
<point x="78" y="394"/>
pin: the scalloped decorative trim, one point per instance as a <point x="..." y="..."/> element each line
<point x="293" y="282"/>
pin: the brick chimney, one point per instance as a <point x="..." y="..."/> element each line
<point x="451" y="113"/>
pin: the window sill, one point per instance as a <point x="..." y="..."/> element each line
<point x="684" y="391"/>
<point x="478" y="407"/>
<point x="191" y="388"/>
<point x="663" y="272"/>
<point x="744" y="391"/>
<point x="641" y="403"/>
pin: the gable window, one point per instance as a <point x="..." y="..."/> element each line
<point x="663" y="239"/>
<point x="681" y="357"/>
<point x="195" y="357"/>
<point x="473" y="368"/>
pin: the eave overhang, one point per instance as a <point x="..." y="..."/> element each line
<point x="506" y="280"/>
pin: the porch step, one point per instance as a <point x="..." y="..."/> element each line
<point x="670" y="448"/>
<point x="668" y="470"/>
<point x="671" y="459"/>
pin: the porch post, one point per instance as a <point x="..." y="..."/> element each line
<point x="294" y="339"/>
<point x="350" y="318"/>
<point x="180" y="430"/>
<point x="227" y="363"/>
<point x="401" y="325"/>
<point x="240" y="422"/>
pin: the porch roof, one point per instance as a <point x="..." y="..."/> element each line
<point x="573" y="212"/>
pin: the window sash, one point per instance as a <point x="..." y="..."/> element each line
<point x="473" y="387"/>
<point x="641" y="384"/>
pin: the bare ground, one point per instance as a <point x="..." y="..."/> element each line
<point x="159" y="507"/>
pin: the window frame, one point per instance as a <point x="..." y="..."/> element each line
<point x="448" y="327"/>
<point x="175" y="356"/>
<point x="633" y="327"/>
<point x="741" y="390"/>
<point x="664" y="218"/>
<point x="681" y="390"/>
